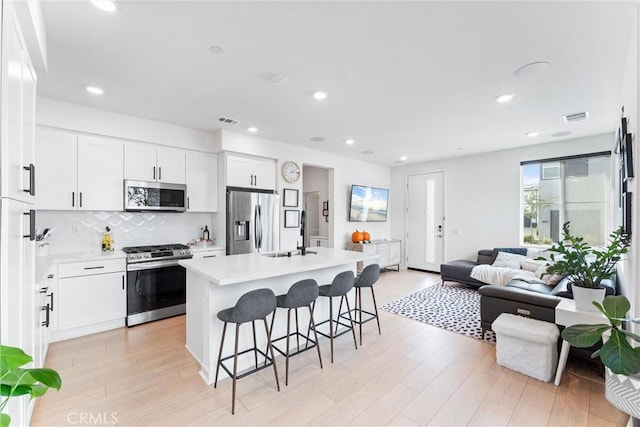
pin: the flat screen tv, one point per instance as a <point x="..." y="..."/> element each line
<point x="368" y="204"/>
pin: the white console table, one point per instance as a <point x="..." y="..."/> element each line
<point x="388" y="252"/>
<point x="567" y="315"/>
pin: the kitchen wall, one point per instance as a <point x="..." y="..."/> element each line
<point x="82" y="231"/>
<point x="482" y="194"/>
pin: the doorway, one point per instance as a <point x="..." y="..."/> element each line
<point x="312" y="209"/>
<point x="425" y="221"/>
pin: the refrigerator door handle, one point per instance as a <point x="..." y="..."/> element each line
<point x="255" y="227"/>
<point x="260" y="227"/>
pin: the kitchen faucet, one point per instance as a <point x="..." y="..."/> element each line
<point x="303" y="223"/>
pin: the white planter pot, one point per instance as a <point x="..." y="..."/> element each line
<point x="623" y="392"/>
<point x="584" y="297"/>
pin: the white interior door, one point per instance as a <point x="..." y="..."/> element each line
<point x="425" y="221"/>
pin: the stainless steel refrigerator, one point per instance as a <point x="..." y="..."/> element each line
<point x="253" y="221"/>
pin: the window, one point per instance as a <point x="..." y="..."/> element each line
<point x="555" y="191"/>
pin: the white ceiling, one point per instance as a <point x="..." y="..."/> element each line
<point x="404" y="78"/>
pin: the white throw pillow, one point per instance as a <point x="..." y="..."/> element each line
<point x="505" y="259"/>
<point x="531" y="265"/>
<point x="548" y="279"/>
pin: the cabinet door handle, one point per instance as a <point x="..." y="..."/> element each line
<point x="94" y="268"/>
<point x="255" y="179"/>
<point x="81" y="199"/>
<point x="44" y="290"/>
<point x="47" y="318"/>
<point x="209" y="256"/>
<point x="73" y="199"/>
<point x="154" y="173"/>
<point x="188" y="203"/>
<point x="159" y="173"/>
<point x="32" y="225"/>
<point x="123" y="282"/>
<point x="51" y="305"/>
<point x="32" y="179"/>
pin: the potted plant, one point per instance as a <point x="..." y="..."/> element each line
<point x="18" y="381"/>
<point x="587" y="265"/>
<point x="620" y="358"/>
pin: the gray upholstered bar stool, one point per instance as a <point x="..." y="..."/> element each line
<point x="301" y="294"/>
<point x="339" y="287"/>
<point x="366" y="279"/>
<point x="252" y="306"/>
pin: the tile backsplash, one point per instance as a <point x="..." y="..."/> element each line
<point x="82" y="231"/>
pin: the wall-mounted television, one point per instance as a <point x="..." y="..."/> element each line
<point x="368" y="204"/>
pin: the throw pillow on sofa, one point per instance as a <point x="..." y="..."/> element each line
<point x="531" y="265"/>
<point x="548" y="279"/>
<point x="505" y="259"/>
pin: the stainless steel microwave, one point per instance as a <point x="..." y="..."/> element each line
<point x="140" y="196"/>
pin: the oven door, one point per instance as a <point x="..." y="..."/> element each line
<point x="155" y="290"/>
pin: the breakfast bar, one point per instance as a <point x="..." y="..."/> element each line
<point x="214" y="284"/>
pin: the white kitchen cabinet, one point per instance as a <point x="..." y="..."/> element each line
<point x="147" y="162"/>
<point x="388" y="252"/>
<point x="18" y="91"/>
<point x="90" y="294"/>
<point x="78" y="172"/>
<point x="317" y="241"/>
<point x="251" y="172"/>
<point x="204" y="252"/>
<point x="202" y="182"/>
<point x="100" y="174"/>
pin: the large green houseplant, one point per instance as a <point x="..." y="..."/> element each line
<point x="588" y="265"/>
<point x="18" y="381"/>
<point x="617" y="353"/>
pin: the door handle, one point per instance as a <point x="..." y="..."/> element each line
<point x="32" y="179"/>
<point x="255" y="227"/>
<point x="32" y="225"/>
<point x="159" y="173"/>
<point x="81" y="199"/>
<point x="260" y="227"/>
<point x="154" y="173"/>
<point x="73" y="199"/>
<point x="47" y="318"/>
<point x="51" y="305"/>
<point x="188" y="203"/>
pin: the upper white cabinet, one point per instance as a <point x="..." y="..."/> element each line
<point x="202" y="182"/>
<point x="18" y="112"/>
<point x="250" y="172"/>
<point x="145" y="162"/>
<point x="78" y="172"/>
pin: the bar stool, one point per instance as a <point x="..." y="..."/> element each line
<point x="251" y="306"/>
<point x="301" y="294"/>
<point x="339" y="287"/>
<point x="366" y="279"/>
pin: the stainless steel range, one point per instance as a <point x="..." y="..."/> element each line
<point x="156" y="284"/>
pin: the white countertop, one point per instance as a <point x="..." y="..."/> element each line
<point x="242" y="268"/>
<point x="45" y="265"/>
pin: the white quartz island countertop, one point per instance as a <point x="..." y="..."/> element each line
<point x="243" y="268"/>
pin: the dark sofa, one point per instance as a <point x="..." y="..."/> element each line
<point x="535" y="300"/>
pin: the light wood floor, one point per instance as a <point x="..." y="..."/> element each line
<point x="414" y="374"/>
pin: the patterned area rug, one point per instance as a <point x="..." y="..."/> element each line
<point x="453" y="308"/>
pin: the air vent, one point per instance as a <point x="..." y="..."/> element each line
<point x="576" y="117"/>
<point x="228" y="120"/>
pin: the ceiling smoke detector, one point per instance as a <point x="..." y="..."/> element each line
<point x="576" y="117"/>
<point x="228" y="120"/>
<point x="279" y="80"/>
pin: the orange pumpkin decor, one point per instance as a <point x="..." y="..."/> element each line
<point x="365" y="236"/>
<point x="357" y="236"/>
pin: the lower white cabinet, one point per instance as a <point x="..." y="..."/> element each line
<point x="212" y="252"/>
<point x="316" y="241"/>
<point x="388" y="252"/>
<point x="88" y="297"/>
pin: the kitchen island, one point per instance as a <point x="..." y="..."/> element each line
<point x="214" y="284"/>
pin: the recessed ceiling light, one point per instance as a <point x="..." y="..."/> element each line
<point x="532" y="134"/>
<point x="505" y="97"/>
<point x="106" y="5"/>
<point x="528" y="69"/>
<point x="320" y="95"/>
<point x="559" y="134"/>
<point x="216" y="50"/>
<point x="367" y="152"/>
<point x="349" y="141"/>
<point x="252" y="129"/>
<point x="94" y="90"/>
<point x="316" y="139"/>
<point x="403" y="158"/>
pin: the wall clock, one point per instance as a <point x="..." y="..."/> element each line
<point x="290" y="171"/>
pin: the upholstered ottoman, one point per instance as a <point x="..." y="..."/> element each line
<point x="527" y="345"/>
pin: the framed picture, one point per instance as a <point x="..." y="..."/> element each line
<point x="290" y="198"/>
<point x="626" y="212"/>
<point x="291" y="219"/>
<point x="628" y="156"/>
